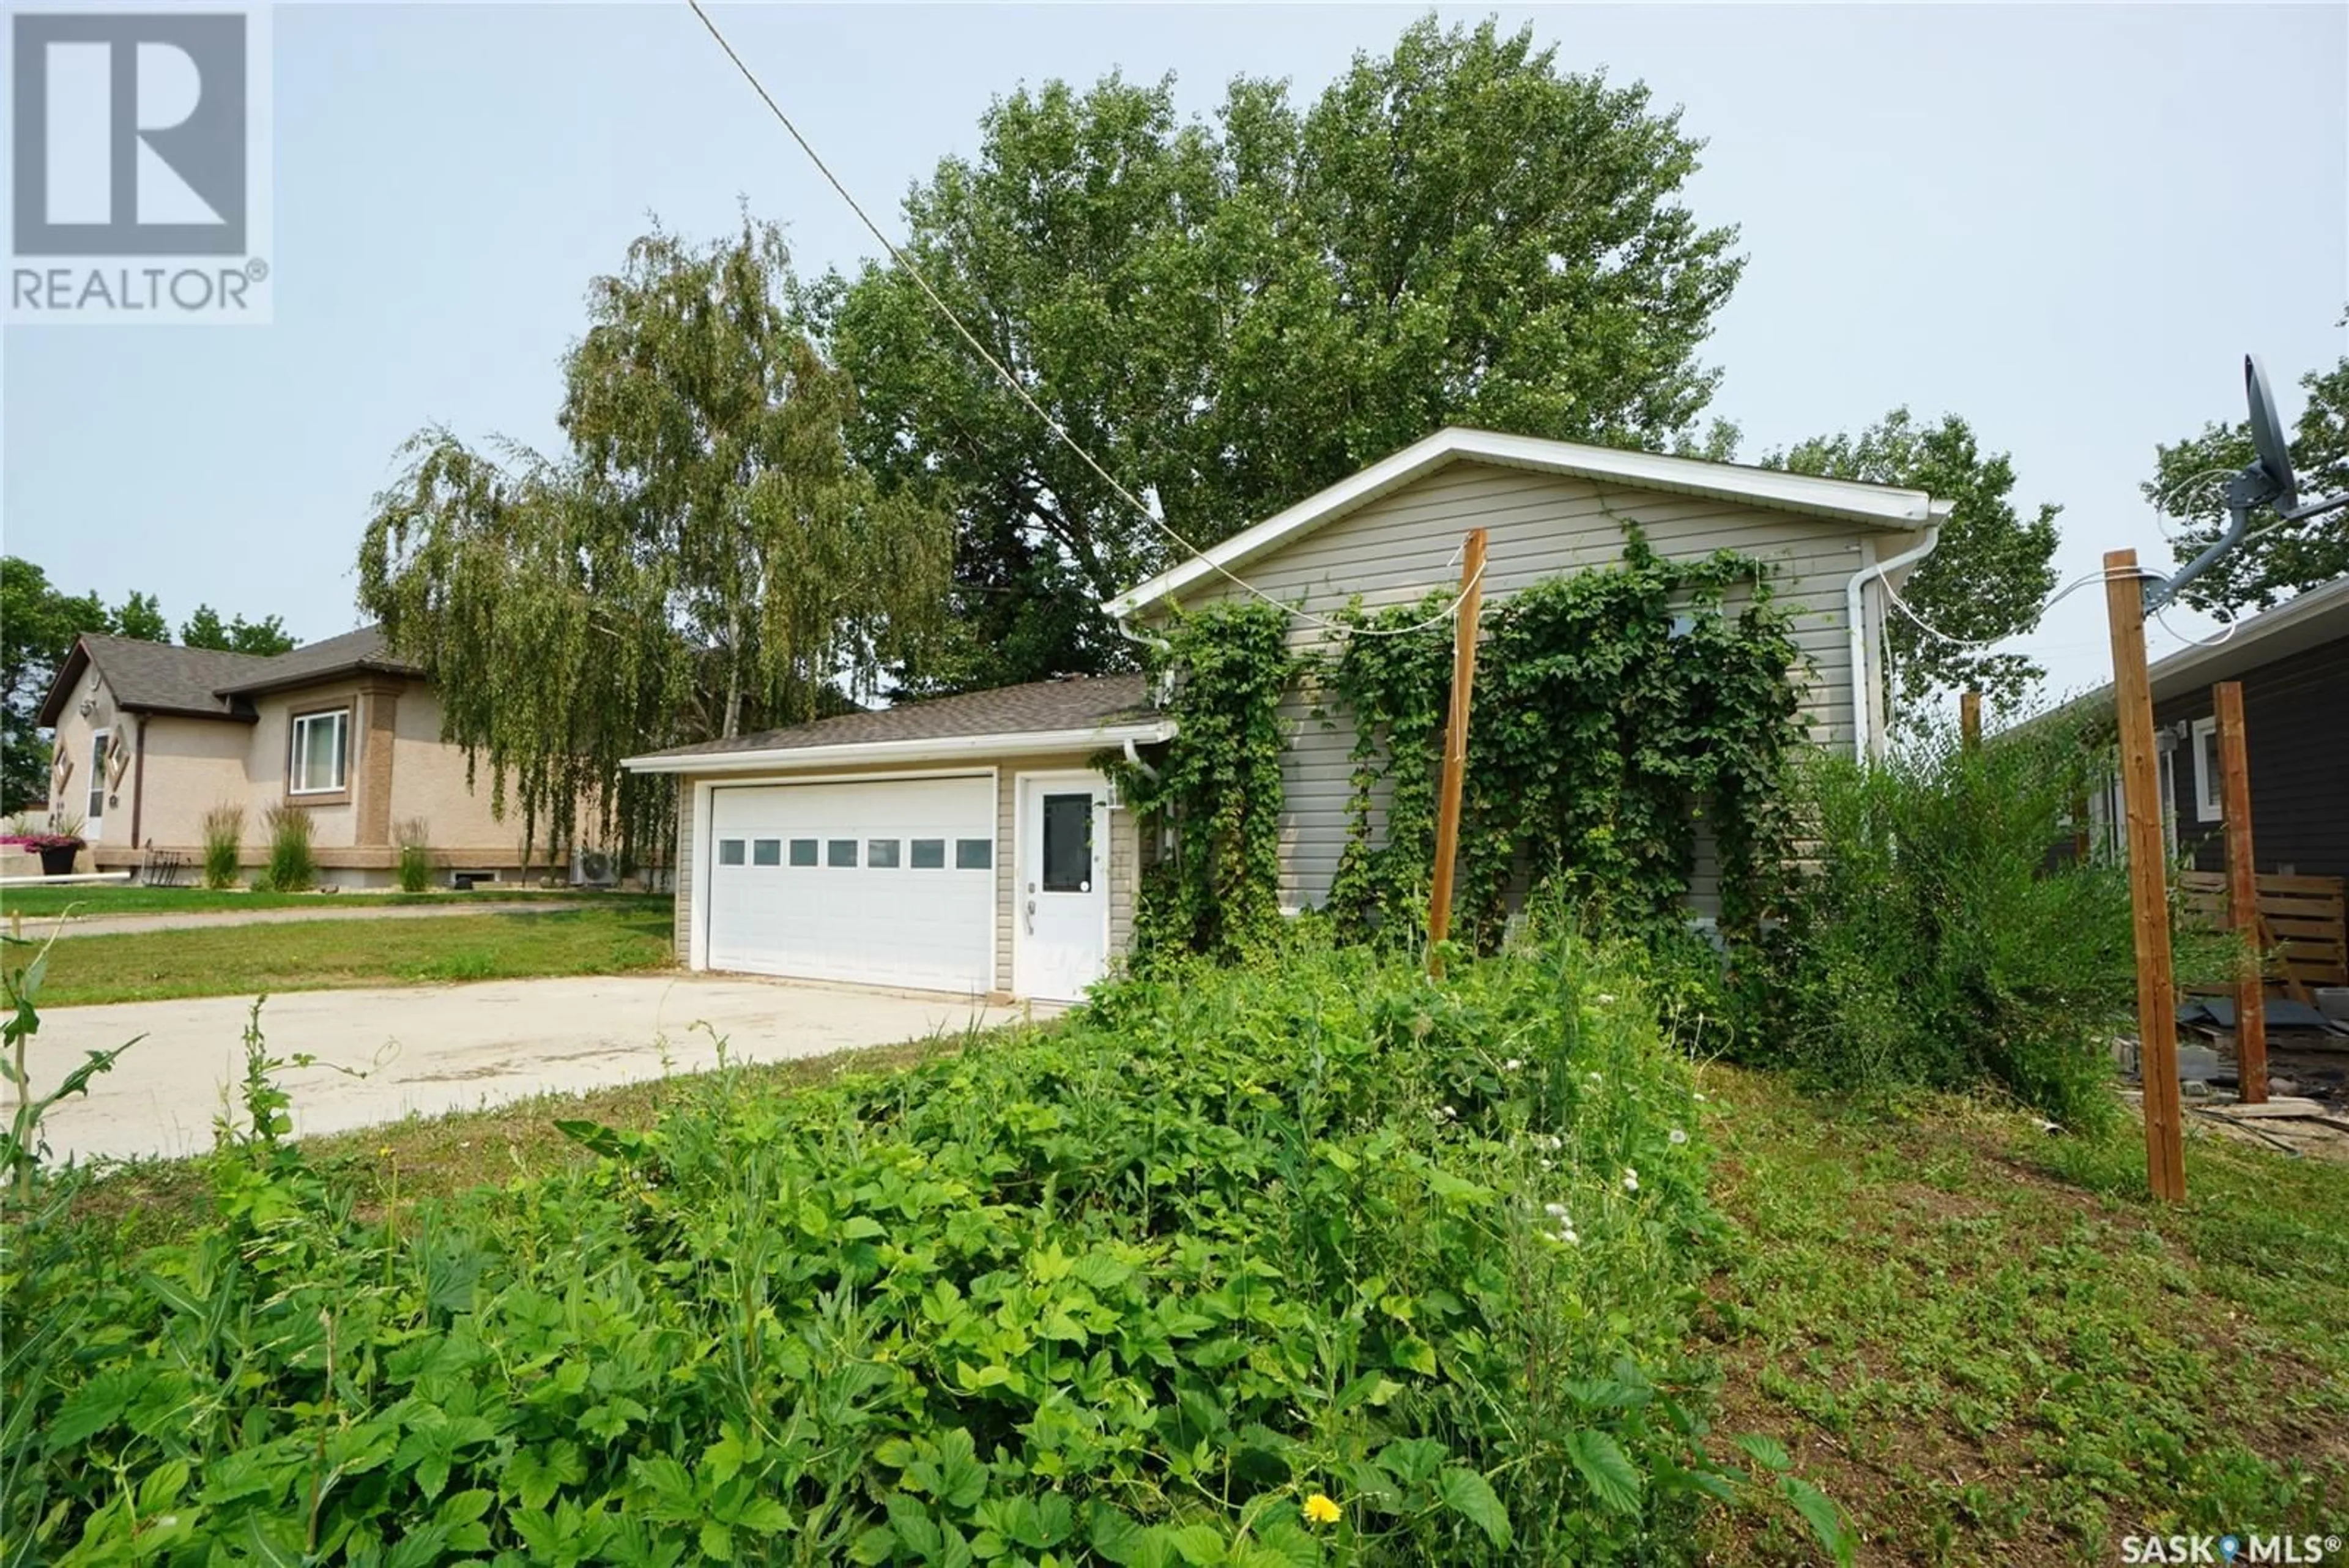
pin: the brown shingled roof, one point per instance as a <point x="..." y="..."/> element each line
<point x="366" y="648"/>
<point x="1078" y="702"/>
<point x="159" y="677"/>
<point x="153" y="676"/>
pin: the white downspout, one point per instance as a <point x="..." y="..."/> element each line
<point x="1862" y="683"/>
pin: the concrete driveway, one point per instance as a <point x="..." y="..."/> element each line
<point x="434" y="1049"/>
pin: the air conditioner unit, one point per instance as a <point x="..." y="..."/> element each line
<point x="594" y="868"/>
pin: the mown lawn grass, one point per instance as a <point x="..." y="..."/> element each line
<point x="37" y="901"/>
<point x="318" y="955"/>
<point x="1987" y="1346"/>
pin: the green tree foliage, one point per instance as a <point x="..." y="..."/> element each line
<point x="140" y="616"/>
<point x="1986" y="579"/>
<point x="206" y="629"/>
<point x="707" y="558"/>
<point x="1230" y="314"/>
<point x="2189" y="481"/>
<point x="38" y="628"/>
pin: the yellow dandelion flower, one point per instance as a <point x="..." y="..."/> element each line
<point x="1319" y="1510"/>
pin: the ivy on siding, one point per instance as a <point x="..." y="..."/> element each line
<point x="1218" y="890"/>
<point x="1614" y="710"/>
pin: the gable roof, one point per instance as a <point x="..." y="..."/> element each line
<point x="205" y="683"/>
<point x="1043" y="715"/>
<point x="150" y="677"/>
<point x="1844" y="500"/>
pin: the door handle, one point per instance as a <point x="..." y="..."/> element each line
<point x="1031" y="917"/>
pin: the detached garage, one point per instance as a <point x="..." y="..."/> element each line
<point x="964" y="845"/>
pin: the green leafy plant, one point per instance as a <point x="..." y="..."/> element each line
<point x="1615" y="709"/>
<point x="1310" y="1259"/>
<point x="293" y="864"/>
<point x="1219" y="789"/>
<point x="1937" y="937"/>
<point x="20" y="1145"/>
<point x="223" y="829"/>
<point x="415" y="854"/>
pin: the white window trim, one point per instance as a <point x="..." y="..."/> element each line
<point x="2209" y="799"/>
<point x="294" y="786"/>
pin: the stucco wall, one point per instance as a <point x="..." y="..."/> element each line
<point x="194" y="764"/>
<point x="1400" y="548"/>
<point x="429" y="782"/>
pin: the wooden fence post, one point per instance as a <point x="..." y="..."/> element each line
<point x="2157" y="999"/>
<point x="1456" y="745"/>
<point x="2242" y="892"/>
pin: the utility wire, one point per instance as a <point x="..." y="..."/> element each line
<point x="905" y="263"/>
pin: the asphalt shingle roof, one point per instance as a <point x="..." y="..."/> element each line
<point x="364" y="649"/>
<point x="1078" y="702"/>
<point x="157" y="677"/>
<point x="160" y="677"/>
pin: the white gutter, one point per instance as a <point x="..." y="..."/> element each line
<point x="1029" y="742"/>
<point x="1862" y="684"/>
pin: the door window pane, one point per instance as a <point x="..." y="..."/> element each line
<point x="96" y="776"/>
<point x="929" y="854"/>
<point x="881" y="854"/>
<point x="974" y="853"/>
<point x="767" y="852"/>
<point x="1069" y="843"/>
<point x="802" y="851"/>
<point x="729" y="852"/>
<point x="839" y="852"/>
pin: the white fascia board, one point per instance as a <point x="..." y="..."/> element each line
<point x="941" y="748"/>
<point x="1872" y="505"/>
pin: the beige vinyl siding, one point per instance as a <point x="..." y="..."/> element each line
<point x="1405" y="545"/>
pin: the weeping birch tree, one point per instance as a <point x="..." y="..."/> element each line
<point x="706" y="559"/>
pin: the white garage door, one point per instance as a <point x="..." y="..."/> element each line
<point x="888" y="883"/>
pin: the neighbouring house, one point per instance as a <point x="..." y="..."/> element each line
<point x="966" y="845"/>
<point x="2293" y="662"/>
<point x="150" y="737"/>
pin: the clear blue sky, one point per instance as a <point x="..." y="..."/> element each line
<point x="2066" y="224"/>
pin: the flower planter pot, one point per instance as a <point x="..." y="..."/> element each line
<point x="57" y="862"/>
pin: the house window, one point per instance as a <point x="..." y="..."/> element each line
<point x="929" y="854"/>
<point x="321" y="752"/>
<point x="97" y="774"/>
<point x="881" y="854"/>
<point x="2209" y="801"/>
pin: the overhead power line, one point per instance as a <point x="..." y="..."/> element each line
<point x="905" y="264"/>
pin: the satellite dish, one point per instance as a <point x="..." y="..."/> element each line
<point x="2267" y="437"/>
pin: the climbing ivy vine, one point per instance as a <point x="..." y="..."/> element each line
<point x="1216" y="890"/>
<point x="1615" y="709"/>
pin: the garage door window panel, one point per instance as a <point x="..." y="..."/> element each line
<point x="929" y="854"/>
<point x="729" y="852"/>
<point x="974" y="854"/>
<point x="802" y="851"/>
<point x="841" y="852"/>
<point x="767" y="852"/>
<point x="881" y="855"/>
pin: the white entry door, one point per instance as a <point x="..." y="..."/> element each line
<point x="1060" y="909"/>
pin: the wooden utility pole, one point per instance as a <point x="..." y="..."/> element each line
<point x="1969" y="721"/>
<point x="2157" y="1002"/>
<point x="1456" y="745"/>
<point x="2242" y="893"/>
